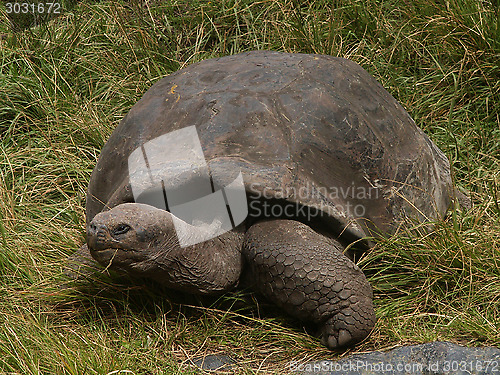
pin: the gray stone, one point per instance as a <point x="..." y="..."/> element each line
<point x="214" y="362"/>
<point x="434" y="358"/>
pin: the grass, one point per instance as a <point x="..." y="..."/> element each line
<point x="66" y="84"/>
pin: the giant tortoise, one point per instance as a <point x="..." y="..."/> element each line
<point x="326" y="158"/>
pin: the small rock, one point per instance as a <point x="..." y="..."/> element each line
<point x="214" y="362"/>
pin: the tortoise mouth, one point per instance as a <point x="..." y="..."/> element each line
<point x="105" y="249"/>
<point x="104" y="256"/>
<point x="110" y="248"/>
<point x="115" y="258"/>
<point x="105" y="253"/>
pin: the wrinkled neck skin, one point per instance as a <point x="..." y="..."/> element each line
<point x="210" y="267"/>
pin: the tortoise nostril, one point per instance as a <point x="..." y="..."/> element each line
<point x="97" y="238"/>
<point x="94" y="229"/>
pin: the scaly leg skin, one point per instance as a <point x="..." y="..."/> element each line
<point x="308" y="275"/>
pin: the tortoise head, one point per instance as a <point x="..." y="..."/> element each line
<point x="132" y="237"/>
<point x="141" y="240"/>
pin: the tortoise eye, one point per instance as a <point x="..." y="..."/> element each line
<point x="121" y="229"/>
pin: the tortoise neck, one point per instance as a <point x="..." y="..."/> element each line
<point x="209" y="267"/>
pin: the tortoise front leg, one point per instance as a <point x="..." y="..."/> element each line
<point x="308" y="275"/>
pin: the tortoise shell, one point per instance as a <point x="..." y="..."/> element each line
<point x="314" y="131"/>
